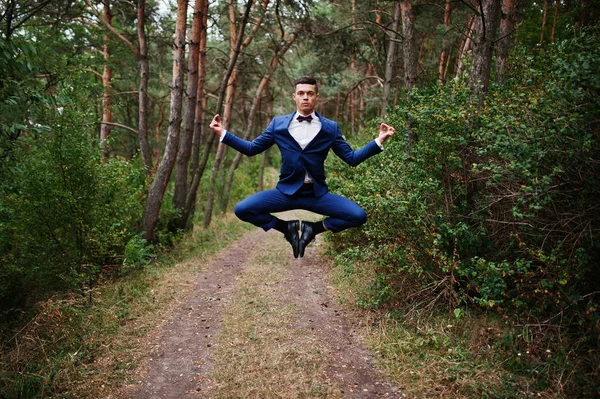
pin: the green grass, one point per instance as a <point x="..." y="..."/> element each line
<point x="439" y="352"/>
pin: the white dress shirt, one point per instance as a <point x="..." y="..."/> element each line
<point x="304" y="132"/>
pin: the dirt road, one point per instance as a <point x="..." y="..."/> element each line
<point x="259" y="323"/>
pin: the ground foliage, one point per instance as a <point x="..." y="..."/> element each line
<point x="495" y="208"/>
<point x="66" y="214"/>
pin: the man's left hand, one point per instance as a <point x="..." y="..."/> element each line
<point x="385" y="132"/>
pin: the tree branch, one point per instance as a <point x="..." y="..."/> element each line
<point x="111" y="28"/>
<point x="119" y="125"/>
<point x="86" y="22"/>
<point x="93" y="71"/>
<point x="31" y="13"/>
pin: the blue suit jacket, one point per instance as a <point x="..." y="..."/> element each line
<point x="295" y="162"/>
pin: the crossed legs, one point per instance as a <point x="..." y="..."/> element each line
<point x="341" y="213"/>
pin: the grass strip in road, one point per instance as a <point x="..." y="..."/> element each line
<point x="259" y="353"/>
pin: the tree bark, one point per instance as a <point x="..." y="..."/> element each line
<point x="185" y="143"/>
<point x="197" y="168"/>
<point x="583" y="19"/>
<point x="544" y="21"/>
<point x="466" y="45"/>
<point x="141" y="55"/>
<point x="409" y="44"/>
<point x="106" y="84"/>
<point x="444" y="53"/>
<point x="226" y="117"/>
<point x="159" y="185"/>
<point x="255" y="103"/>
<point x="389" y="61"/>
<point x="482" y="54"/>
<point x="223" y="87"/>
<point x="263" y="161"/>
<point x="556" y="8"/>
<point x="507" y="24"/>
<point x="143" y="89"/>
<point x="161" y="119"/>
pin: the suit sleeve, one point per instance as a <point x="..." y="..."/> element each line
<point x="251" y="148"/>
<point x="353" y="158"/>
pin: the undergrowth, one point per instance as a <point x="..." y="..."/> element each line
<point x="69" y="347"/>
<point x="490" y="214"/>
<point x="436" y="351"/>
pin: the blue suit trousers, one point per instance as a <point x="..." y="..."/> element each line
<point x="342" y="213"/>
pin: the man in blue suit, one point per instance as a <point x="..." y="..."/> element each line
<point x="304" y="139"/>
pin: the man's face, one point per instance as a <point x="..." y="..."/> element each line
<point x="306" y="98"/>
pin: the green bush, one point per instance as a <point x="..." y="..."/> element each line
<point x="496" y="207"/>
<point x="137" y="254"/>
<point x="68" y="213"/>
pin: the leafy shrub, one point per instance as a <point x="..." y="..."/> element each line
<point x="69" y="213"/>
<point x="496" y="207"/>
<point x="137" y="254"/>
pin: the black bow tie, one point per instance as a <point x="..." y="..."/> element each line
<point x="308" y="118"/>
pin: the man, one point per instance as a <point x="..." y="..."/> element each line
<point x="304" y="139"/>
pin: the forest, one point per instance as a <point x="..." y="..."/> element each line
<point x="485" y="200"/>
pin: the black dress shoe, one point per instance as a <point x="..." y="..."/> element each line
<point x="308" y="234"/>
<point x="291" y="235"/>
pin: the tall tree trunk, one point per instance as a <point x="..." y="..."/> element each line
<point x="225" y="117"/>
<point x="352" y="103"/>
<point x="482" y="54"/>
<point x="197" y="168"/>
<point x="352" y="97"/>
<point x="263" y="161"/>
<point x="409" y="44"/>
<point x="448" y="58"/>
<point x="444" y="53"/>
<point x="544" y="21"/>
<point x="466" y="44"/>
<point x="255" y="103"/>
<point x="159" y="185"/>
<point x="141" y="55"/>
<point x="106" y="84"/>
<point x="507" y="23"/>
<point x="422" y="52"/>
<point x="389" y="61"/>
<point x="222" y="89"/>
<point x="185" y="143"/>
<point x="361" y="106"/>
<point x="161" y="119"/>
<point x="143" y="91"/>
<point x="556" y="8"/>
<point x="410" y="58"/>
<point x="583" y="19"/>
<point x="229" y="105"/>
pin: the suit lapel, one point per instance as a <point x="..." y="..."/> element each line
<point x="287" y="119"/>
<point x="285" y="123"/>
<point x="324" y="130"/>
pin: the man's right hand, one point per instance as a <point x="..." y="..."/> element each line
<point x="216" y="125"/>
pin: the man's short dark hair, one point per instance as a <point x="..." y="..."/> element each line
<point x="307" y="80"/>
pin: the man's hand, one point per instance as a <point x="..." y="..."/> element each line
<point x="216" y="125"/>
<point x="385" y="132"/>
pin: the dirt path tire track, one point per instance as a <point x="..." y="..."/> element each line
<point x="181" y="354"/>
<point x="351" y="365"/>
<point x="180" y="362"/>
